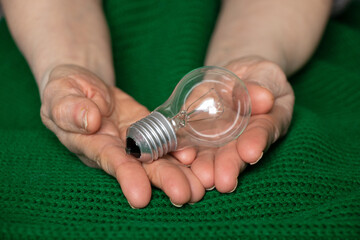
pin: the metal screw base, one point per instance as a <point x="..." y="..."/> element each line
<point x="151" y="137"/>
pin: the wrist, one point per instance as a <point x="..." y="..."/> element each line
<point x="272" y="52"/>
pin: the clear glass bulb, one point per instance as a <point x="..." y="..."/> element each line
<point x="209" y="107"/>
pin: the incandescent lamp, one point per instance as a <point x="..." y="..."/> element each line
<point x="209" y="107"/>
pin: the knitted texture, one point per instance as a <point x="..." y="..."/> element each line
<point x="306" y="186"/>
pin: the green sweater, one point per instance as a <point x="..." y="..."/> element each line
<point x="306" y="186"/>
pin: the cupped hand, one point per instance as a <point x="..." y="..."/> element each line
<point x="91" y="119"/>
<point x="272" y="101"/>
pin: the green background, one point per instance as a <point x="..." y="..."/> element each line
<point x="307" y="185"/>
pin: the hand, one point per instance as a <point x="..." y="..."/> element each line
<point x="272" y="101"/>
<point x="91" y="119"/>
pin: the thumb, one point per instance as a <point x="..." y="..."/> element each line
<point x="74" y="113"/>
<point x="75" y="100"/>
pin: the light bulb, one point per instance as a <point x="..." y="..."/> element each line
<point x="209" y="107"/>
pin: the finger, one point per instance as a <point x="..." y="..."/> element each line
<point x="134" y="183"/>
<point x="108" y="153"/>
<point x="185" y="156"/>
<point x="262" y="100"/>
<point x="75" y="114"/>
<point x="167" y="176"/>
<point x="228" y="165"/>
<point x="262" y="131"/>
<point x="129" y="173"/>
<point x="196" y="187"/>
<point x="203" y="168"/>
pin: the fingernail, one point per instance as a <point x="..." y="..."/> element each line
<point x="84" y="119"/>
<point x="261" y="155"/>
<point x="176" y="205"/>
<point x="211" y="188"/>
<point x="234" y="187"/>
<point x="131" y="205"/>
<point x="191" y="203"/>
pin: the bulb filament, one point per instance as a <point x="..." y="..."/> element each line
<point x="208" y="106"/>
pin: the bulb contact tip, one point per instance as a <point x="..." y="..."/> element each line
<point x="151" y="137"/>
<point x="132" y="148"/>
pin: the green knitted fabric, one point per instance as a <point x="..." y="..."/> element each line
<point x="306" y="186"/>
